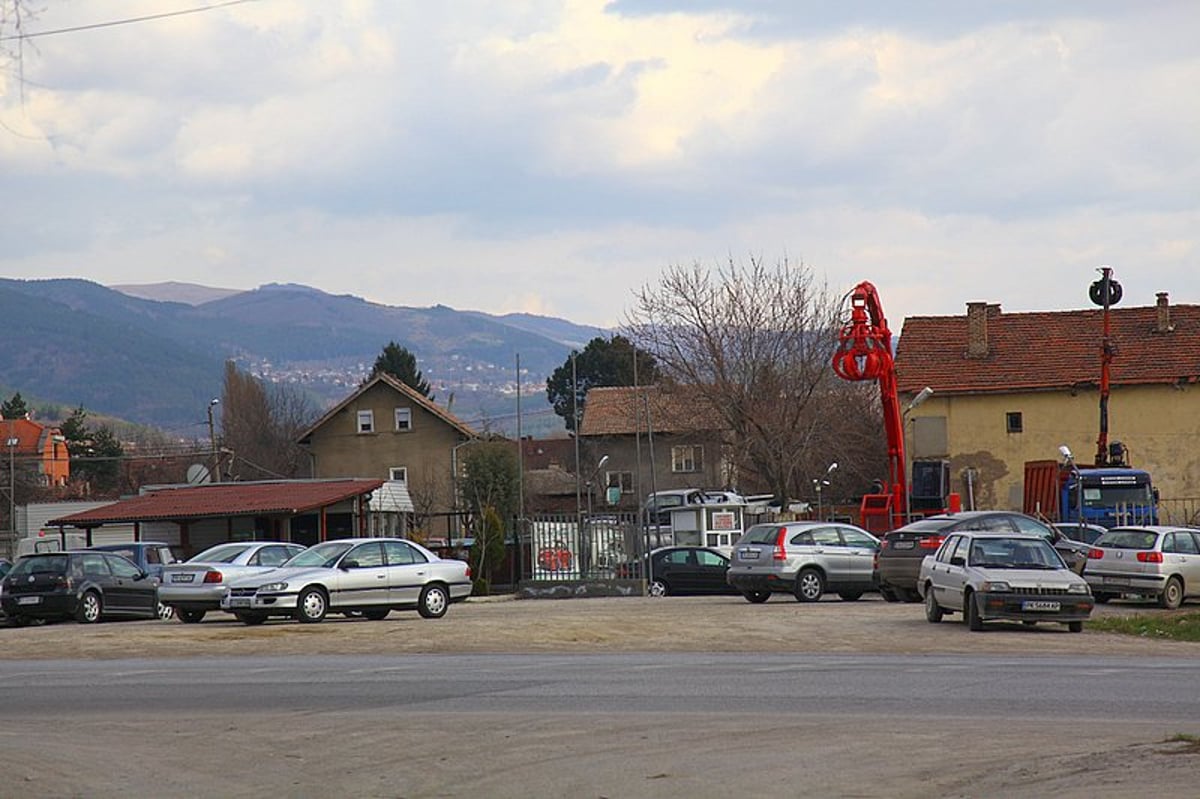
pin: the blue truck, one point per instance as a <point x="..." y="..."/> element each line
<point x="1110" y="495"/>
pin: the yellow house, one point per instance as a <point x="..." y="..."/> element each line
<point x="1013" y="387"/>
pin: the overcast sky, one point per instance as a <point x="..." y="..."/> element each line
<point x="552" y="156"/>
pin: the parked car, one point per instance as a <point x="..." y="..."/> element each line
<point x="371" y="576"/>
<point x="679" y="571"/>
<point x="903" y="549"/>
<point x="805" y="559"/>
<point x="1014" y="576"/>
<point x="1159" y="562"/>
<point x="1084" y="533"/>
<point x="87" y="585"/>
<point x="196" y="586"/>
<point x="149" y="556"/>
<point x="5" y="566"/>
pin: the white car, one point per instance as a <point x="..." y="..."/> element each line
<point x="197" y="586"/>
<point x="1002" y="576"/>
<point x="371" y="576"/>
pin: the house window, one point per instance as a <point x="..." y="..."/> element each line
<point x="403" y="419"/>
<point x="688" y="458"/>
<point x="1013" y="422"/>
<point x="366" y="421"/>
<point x="398" y="473"/>
<point x="621" y="480"/>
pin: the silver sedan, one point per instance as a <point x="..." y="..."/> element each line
<point x="197" y="586"/>
<point x="371" y="576"/>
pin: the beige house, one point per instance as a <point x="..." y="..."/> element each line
<point x="1013" y="387"/>
<point x="386" y="430"/>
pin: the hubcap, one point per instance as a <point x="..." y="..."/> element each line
<point x="435" y="601"/>
<point x="165" y="612"/>
<point x="91" y="607"/>
<point x="657" y="588"/>
<point x="314" y="604"/>
<point x="809" y="586"/>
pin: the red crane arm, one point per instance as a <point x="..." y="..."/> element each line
<point x="865" y="353"/>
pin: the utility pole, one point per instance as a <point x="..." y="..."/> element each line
<point x="212" y="441"/>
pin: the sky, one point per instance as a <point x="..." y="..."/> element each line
<point x="554" y="156"/>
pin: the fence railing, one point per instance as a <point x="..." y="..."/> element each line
<point x="1184" y="511"/>
<point x="566" y="547"/>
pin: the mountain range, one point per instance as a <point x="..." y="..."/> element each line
<point x="154" y="354"/>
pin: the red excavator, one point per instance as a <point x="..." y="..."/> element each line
<point x="865" y="353"/>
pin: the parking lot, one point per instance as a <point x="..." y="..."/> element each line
<point x="628" y="624"/>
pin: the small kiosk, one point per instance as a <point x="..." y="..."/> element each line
<point x="716" y="525"/>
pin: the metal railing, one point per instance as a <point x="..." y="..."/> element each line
<point x="566" y="547"/>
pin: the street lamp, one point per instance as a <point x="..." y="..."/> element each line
<point x="1069" y="461"/>
<point x="12" y="443"/>
<point x="591" y="483"/>
<point x="922" y="395"/>
<point x="823" y="481"/>
<point x="212" y="440"/>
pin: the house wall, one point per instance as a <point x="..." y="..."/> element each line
<point x="339" y="450"/>
<point x="622" y="456"/>
<point x="1159" y="425"/>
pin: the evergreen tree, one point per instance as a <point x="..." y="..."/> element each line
<point x="14" y="408"/>
<point x="603" y="362"/>
<point x="401" y="364"/>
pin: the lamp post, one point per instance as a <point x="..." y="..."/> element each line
<point x="591" y="485"/>
<point x="12" y="490"/>
<point x="212" y="440"/>
<point x="819" y="482"/>
<point x="1069" y="461"/>
<point x="922" y="395"/>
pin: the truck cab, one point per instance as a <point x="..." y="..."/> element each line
<point x="1110" y="497"/>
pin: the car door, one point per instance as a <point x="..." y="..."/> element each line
<point x="1182" y="556"/>
<point x="860" y="556"/>
<point x="945" y="571"/>
<point x="828" y="552"/>
<point x="408" y="571"/>
<point x="677" y="568"/>
<point x="138" y="590"/>
<point x="96" y="572"/>
<point x="711" y="568"/>
<point x="362" y="577"/>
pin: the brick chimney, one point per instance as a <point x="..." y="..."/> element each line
<point x="977" y="330"/>
<point x="1164" y="314"/>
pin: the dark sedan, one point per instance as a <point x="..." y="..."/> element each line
<point x="86" y="586"/>
<point x="678" y="571"/>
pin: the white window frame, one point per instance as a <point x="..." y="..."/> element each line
<point x="624" y="480"/>
<point x="687" y="458"/>
<point x="398" y="474"/>
<point x="403" y="420"/>
<point x="365" y="422"/>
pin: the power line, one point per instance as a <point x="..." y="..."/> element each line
<point x="115" y="22"/>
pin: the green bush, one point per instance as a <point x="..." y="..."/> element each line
<point x="481" y="587"/>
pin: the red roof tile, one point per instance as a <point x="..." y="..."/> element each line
<point x="619" y="410"/>
<point x="1048" y="350"/>
<point x="224" y="499"/>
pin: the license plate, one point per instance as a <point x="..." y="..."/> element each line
<point x="182" y="578"/>
<point x="749" y="554"/>
<point x="1040" y="604"/>
<point x="239" y="603"/>
<point x="29" y="600"/>
<point x="904" y="545"/>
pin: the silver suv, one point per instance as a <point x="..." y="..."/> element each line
<point x="805" y="559"/>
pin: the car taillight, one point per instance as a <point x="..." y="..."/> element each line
<point x="1149" y="557"/>
<point x="932" y="542"/>
<point x="468" y="571"/>
<point x="780" y="553"/>
<point x="1095" y="554"/>
<point x="62" y="581"/>
<point x="213" y="577"/>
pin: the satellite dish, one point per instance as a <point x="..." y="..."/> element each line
<point x="197" y="474"/>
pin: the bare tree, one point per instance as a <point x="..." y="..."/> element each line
<point x="754" y="341"/>
<point x="260" y="425"/>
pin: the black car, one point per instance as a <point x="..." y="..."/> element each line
<point x="902" y="550"/>
<point x="84" y="585"/>
<point x="677" y="571"/>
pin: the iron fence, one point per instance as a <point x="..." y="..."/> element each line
<point x="1184" y="512"/>
<point x="566" y="547"/>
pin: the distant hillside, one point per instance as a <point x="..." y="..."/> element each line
<point x="173" y="291"/>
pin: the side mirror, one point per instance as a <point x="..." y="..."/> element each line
<point x="349" y="564"/>
<point x="958" y="561"/>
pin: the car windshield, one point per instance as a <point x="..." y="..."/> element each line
<point x="47" y="564"/>
<point x="324" y="555"/>
<point x="1013" y="553"/>
<point x="1128" y="539"/>
<point x="222" y="553"/>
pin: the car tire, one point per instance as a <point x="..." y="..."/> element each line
<point x="933" y="611"/>
<point x="433" y="602"/>
<point x="90" y="608"/>
<point x="251" y="619"/>
<point x="190" y="616"/>
<point x="850" y="596"/>
<point x="810" y="585"/>
<point x="164" y="612"/>
<point x="658" y="588"/>
<point x="756" y="597"/>
<point x="971" y="612"/>
<point x="376" y="614"/>
<point x="1172" y="594"/>
<point x="1075" y="626"/>
<point x="909" y="595"/>
<point x="888" y="594"/>
<point x="311" y="605"/>
<point x="1103" y="599"/>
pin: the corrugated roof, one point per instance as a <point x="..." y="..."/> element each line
<point x="172" y="503"/>
<point x="621" y="410"/>
<point x="1048" y="350"/>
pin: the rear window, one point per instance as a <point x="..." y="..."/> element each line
<point x="761" y="534"/>
<point x="921" y="528"/>
<point x="224" y="553"/>
<point x="1128" y="539"/>
<point x="44" y="564"/>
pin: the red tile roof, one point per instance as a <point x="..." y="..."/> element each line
<point x="173" y="503"/>
<point x="1048" y="350"/>
<point x="619" y="410"/>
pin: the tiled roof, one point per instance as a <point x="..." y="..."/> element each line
<point x="1048" y="350"/>
<point x="401" y="387"/>
<point x="621" y="410"/>
<point x="28" y="433"/>
<point x="172" y="503"/>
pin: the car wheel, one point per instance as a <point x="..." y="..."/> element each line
<point x="1172" y="594"/>
<point x="376" y="614"/>
<point x="251" y="619"/>
<point x="658" y="588"/>
<point x="850" y="596"/>
<point x="1075" y="626"/>
<point x="164" y="612"/>
<point x="89" y="609"/>
<point x="1103" y="599"/>
<point x="190" y="616"/>
<point x="433" y="602"/>
<point x="757" y="597"/>
<point x="810" y="585"/>
<point x="311" y="605"/>
<point x="971" y="611"/>
<point x="933" y="611"/>
<point x="908" y="595"/>
<point x="888" y="594"/>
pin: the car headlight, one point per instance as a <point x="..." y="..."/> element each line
<point x="273" y="587"/>
<point x="995" y="587"/>
<point x="1078" y="588"/>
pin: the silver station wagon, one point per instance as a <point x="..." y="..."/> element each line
<point x="371" y="576"/>
<point x="1161" y="562"/>
<point x="805" y="559"/>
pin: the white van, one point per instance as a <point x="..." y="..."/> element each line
<point x="50" y="541"/>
